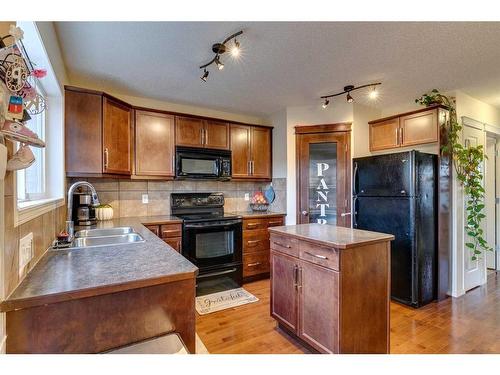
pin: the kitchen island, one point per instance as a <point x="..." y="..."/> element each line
<point x="330" y="287"/>
<point x="91" y="300"/>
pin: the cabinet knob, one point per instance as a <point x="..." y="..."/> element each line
<point x="305" y="213"/>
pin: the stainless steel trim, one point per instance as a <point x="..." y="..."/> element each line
<point x="253" y="264"/>
<point x="316" y="255"/>
<point x="355" y="173"/>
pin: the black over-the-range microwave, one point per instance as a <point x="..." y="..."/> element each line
<point x="202" y="163"/>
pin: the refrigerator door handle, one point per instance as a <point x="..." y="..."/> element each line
<point x="355" y="211"/>
<point x="355" y="173"/>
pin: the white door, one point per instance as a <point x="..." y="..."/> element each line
<point x="490" y="199"/>
<point x="474" y="270"/>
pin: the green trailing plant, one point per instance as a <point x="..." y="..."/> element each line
<point x="467" y="161"/>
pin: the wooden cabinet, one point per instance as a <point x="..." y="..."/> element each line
<point x="407" y="129"/>
<point x="154" y="144"/>
<point x="98" y="132"/>
<point x="170" y="233"/>
<point x="195" y="132"/>
<point x="335" y="300"/>
<point x="116" y="137"/>
<point x="251" y="152"/>
<point x="256" y="246"/>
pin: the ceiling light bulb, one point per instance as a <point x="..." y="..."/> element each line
<point x="220" y="65"/>
<point x="349" y="98"/>
<point x="235" y="51"/>
<point x="373" y="94"/>
<point x="325" y="104"/>
<point x="204" y="76"/>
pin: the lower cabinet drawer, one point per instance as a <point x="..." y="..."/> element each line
<point x="155" y="229"/>
<point x="275" y="221"/>
<point x="175" y="242"/>
<point x="255" y="241"/>
<point x="253" y="224"/>
<point x="283" y="244"/>
<point x="170" y="230"/>
<point x="255" y="263"/>
<point x="324" y="256"/>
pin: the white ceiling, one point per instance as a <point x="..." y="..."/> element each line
<point x="284" y="64"/>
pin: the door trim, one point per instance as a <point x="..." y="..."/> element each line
<point x="339" y="129"/>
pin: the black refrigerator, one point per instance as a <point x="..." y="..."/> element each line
<point x="397" y="194"/>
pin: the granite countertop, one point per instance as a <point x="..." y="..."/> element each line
<point x="77" y="273"/>
<point x="332" y="235"/>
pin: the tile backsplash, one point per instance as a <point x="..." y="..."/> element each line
<point x="125" y="196"/>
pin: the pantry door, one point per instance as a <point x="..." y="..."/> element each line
<point x="323" y="162"/>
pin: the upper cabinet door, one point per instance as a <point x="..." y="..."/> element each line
<point x="419" y="128"/>
<point x="82" y="119"/>
<point x="240" y="150"/>
<point x="216" y="135"/>
<point x="261" y="152"/>
<point x="384" y="135"/>
<point x="116" y="140"/>
<point x="154" y="144"/>
<point x="189" y="132"/>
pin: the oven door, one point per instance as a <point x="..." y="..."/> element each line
<point x="214" y="243"/>
<point x="214" y="281"/>
<point x="197" y="165"/>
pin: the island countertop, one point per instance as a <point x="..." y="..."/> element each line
<point x="332" y="235"/>
<point x="62" y="275"/>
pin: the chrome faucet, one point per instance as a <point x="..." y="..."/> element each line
<point x="72" y="188"/>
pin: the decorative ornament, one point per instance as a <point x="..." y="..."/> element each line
<point x="36" y="105"/>
<point x="16" y="74"/>
<point x="39" y="73"/>
<point x="15" y="110"/>
<point x="16" y="32"/>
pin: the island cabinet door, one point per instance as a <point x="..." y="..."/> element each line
<point x="319" y="307"/>
<point x="284" y="273"/>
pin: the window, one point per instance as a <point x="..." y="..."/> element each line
<point x="31" y="182"/>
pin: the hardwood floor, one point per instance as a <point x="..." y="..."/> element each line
<point x="469" y="324"/>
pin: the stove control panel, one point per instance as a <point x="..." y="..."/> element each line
<point x="197" y="200"/>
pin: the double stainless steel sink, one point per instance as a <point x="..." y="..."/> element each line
<point x="105" y="237"/>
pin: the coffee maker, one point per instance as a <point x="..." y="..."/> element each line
<point x="83" y="211"/>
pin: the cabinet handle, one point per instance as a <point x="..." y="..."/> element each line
<point x="253" y="242"/>
<point x="296" y="276"/>
<point x="251" y="226"/>
<point x="201" y="136"/>
<point x="253" y="264"/>
<point x="282" y="245"/>
<point x="316" y="255"/>
<point x="275" y="222"/>
<point x="344" y="214"/>
<point x="401" y="134"/>
<point x="397" y="136"/>
<point x="299" y="281"/>
<point x="106" y="157"/>
<point x="205" y="140"/>
<point x="251" y="167"/>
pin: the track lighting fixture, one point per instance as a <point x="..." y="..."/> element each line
<point x="220" y="65"/>
<point x="219" y="49"/>
<point x="204" y="76"/>
<point x="348" y="89"/>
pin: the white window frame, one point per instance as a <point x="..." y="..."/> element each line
<point x="54" y="135"/>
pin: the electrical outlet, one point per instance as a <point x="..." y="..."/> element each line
<point x="26" y="252"/>
<point x="145" y="198"/>
<point x="247" y="196"/>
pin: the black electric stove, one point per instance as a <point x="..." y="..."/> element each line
<point x="211" y="239"/>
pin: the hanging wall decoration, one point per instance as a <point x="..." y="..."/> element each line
<point x="19" y="98"/>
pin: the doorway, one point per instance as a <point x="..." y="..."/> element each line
<point x="323" y="176"/>
<point x="491" y="186"/>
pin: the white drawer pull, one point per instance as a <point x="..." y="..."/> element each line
<point x="316" y="255"/>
